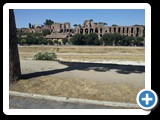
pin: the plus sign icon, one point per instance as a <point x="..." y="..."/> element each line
<point x="147" y="99"/>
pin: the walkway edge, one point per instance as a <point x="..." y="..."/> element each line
<point x="74" y="100"/>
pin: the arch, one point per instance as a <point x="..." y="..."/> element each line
<point x="119" y="29"/>
<point x="100" y="30"/>
<point x="86" y="31"/>
<point x="96" y="30"/>
<point x="61" y="30"/>
<point x="127" y="30"/>
<point x="114" y="30"/>
<point x="132" y="30"/>
<point x="123" y="30"/>
<point x="91" y="30"/>
<point x="137" y="32"/>
<point x="109" y="30"/>
<point x="81" y="31"/>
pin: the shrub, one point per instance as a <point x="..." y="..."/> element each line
<point x="45" y="56"/>
<point x="23" y="41"/>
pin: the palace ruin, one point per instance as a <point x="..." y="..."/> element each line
<point x="64" y="30"/>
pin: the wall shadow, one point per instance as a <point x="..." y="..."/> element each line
<point x="121" y="69"/>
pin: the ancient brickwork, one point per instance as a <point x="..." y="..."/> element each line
<point x="86" y="28"/>
<point x="90" y="27"/>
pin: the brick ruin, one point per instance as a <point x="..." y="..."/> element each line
<point x="99" y="28"/>
<point x="62" y="30"/>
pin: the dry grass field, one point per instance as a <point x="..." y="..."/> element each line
<point x="110" y="82"/>
<point x="87" y="53"/>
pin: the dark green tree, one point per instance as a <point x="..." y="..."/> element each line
<point x="48" y="22"/>
<point x="114" y="25"/>
<point x="105" y="24"/>
<point x="117" y="38"/>
<point x="78" y="39"/>
<point x="64" y="40"/>
<point x="42" y="41"/>
<point x="30" y="26"/>
<point x="108" y="39"/>
<point x="139" y="41"/>
<point x="50" y="42"/>
<point x="46" y="32"/>
<point x="75" y="25"/>
<point x="92" y="39"/>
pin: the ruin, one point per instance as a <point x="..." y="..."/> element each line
<point x="100" y="29"/>
<point x="64" y="30"/>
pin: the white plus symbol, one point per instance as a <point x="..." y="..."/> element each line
<point x="147" y="99"/>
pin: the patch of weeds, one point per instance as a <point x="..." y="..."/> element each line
<point x="45" y="56"/>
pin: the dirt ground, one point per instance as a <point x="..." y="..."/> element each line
<point x="110" y="82"/>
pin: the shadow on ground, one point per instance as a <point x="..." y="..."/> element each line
<point x="121" y="69"/>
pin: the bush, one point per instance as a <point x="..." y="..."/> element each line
<point x="23" y="41"/>
<point x="45" y="56"/>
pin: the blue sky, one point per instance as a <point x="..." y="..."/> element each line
<point x="124" y="17"/>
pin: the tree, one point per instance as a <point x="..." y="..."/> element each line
<point x="30" y="26"/>
<point x="50" y="42"/>
<point x="129" y="40"/>
<point x="48" y="22"/>
<point x="64" y="40"/>
<point x="78" y="39"/>
<point x="108" y="39"/>
<point x="92" y="39"/>
<point x="117" y="38"/>
<point x="29" y="40"/>
<point x="139" y="41"/>
<point x="46" y="32"/>
<point x="105" y="24"/>
<point x="75" y="25"/>
<point x="114" y="25"/>
<point x="14" y="62"/>
<point x="42" y="41"/>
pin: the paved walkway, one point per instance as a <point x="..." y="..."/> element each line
<point x="16" y="102"/>
<point x="19" y="100"/>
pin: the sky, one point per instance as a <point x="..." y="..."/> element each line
<point x="121" y="17"/>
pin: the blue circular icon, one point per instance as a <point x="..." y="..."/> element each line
<point x="147" y="99"/>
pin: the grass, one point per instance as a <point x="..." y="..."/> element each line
<point x="87" y="52"/>
<point x="79" y="88"/>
